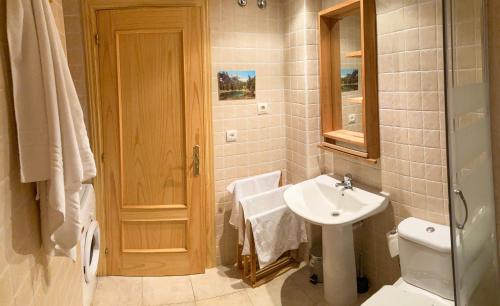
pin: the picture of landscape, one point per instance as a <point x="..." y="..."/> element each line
<point x="236" y="85"/>
<point x="349" y="79"/>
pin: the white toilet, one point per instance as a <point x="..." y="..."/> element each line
<point x="426" y="267"/>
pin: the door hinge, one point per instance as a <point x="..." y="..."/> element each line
<point x="96" y="36"/>
<point x="106" y="251"/>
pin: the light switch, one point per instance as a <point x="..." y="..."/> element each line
<point x="231" y="135"/>
<point x="262" y="108"/>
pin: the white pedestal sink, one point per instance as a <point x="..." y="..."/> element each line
<point x="335" y="209"/>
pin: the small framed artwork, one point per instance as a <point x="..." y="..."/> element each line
<point x="236" y="85"/>
<point x="349" y="79"/>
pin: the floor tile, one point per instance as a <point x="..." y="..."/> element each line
<point x="236" y="299"/>
<point x="280" y="291"/>
<point x="216" y="282"/>
<point x="218" y="286"/>
<point x="300" y="278"/>
<point x="166" y="290"/>
<point x="118" y="291"/>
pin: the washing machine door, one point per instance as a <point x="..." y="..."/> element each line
<point x="91" y="251"/>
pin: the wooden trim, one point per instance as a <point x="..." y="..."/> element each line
<point x="353" y="99"/>
<point x="330" y="94"/>
<point x="347" y="152"/>
<point x="342" y="9"/>
<point x="209" y="208"/>
<point x="370" y="78"/>
<point x="358" y="53"/>
<point x="326" y="145"/>
<point x="325" y="69"/>
<point x="89" y="9"/>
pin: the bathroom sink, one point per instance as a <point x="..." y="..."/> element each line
<point x="336" y="208"/>
<point x="318" y="201"/>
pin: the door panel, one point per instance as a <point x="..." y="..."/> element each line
<point x="151" y="91"/>
<point x="469" y="155"/>
<point x="150" y="70"/>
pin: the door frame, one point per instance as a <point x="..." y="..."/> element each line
<point x="89" y="10"/>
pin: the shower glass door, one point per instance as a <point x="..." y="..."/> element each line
<point x="472" y="207"/>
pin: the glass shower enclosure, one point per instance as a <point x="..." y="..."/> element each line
<point x="470" y="177"/>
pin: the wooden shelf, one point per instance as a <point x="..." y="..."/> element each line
<point x="351" y="137"/>
<point x="358" y="53"/>
<point x="355" y="99"/>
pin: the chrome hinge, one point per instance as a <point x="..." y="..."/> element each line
<point x="96" y="36"/>
<point x="106" y="251"/>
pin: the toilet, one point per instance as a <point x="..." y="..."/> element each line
<point x="426" y="267"/>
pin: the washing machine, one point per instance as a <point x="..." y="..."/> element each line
<point x="89" y="242"/>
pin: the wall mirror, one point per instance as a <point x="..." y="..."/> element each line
<point x="348" y="79"/>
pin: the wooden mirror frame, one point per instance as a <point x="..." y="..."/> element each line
<point x="366" y="144"/>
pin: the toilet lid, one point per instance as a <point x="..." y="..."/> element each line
<point x="392" y="296"/>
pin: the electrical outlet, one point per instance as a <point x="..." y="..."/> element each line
<point x="231" y="135"/>
<point x="352" y="118"/>
<point x="262" y="108"/>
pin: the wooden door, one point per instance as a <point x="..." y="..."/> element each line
<point x="151" y="93"/>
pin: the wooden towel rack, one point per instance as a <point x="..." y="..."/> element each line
<point x="248" y="265"/>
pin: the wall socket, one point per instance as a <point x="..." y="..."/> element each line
<point x="352" y="118"/>
<point x="262" y="108"/>
<point x="231" y="135"/>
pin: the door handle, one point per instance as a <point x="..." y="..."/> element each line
<point x="464" y="202"/>
<point x="196" y="160"/>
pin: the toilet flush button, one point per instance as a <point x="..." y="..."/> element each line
<point x="231" y="135"/>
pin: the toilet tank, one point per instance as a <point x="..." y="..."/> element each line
<point x="425" y="256"/>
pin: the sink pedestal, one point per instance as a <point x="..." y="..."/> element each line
<point x="339" y="265"/>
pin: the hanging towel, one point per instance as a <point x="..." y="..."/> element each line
<point x="54" y="149"/>
<point x="276" y="229"/>
<point x="246" y="187"/>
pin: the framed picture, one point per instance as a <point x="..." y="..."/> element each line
<point x="349" y="79"/>
<point x="236" y="85"/>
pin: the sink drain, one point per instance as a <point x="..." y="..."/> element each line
<point x="335" y="214"/>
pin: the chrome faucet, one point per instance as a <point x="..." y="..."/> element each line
<point x="346" y="183"/>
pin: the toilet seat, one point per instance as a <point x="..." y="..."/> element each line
<point x="394" y="296"/>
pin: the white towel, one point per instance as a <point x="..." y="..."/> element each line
<point x="246" y="187"/>
<point x="54" y="149"/>
<point x="276" y="229"/>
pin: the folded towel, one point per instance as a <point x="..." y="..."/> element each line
<point x="246" y="187"/>
<point x="276" y="229"/>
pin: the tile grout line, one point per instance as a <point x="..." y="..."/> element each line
<point x="192" y="289"/>
<point x="142" y="290"/>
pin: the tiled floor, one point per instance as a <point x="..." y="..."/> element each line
<point x="219" y="286"/>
